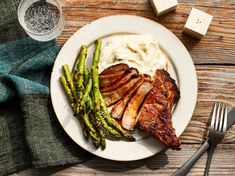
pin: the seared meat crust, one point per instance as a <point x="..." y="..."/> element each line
<point x="132" y="108"/>
<point x="164" y="82"/>
<point x="126" y="76"/>
<point x="114" y="69"/>
<point x="112" y="97"/>
<point x="119" y="107"/>
<point x="111" y="74"/>
<point x="155" y="114"/>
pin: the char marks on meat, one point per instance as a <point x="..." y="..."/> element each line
<point x="115" y="95"/>
<point x="119" y="107"/>
<point x="114" y="69"/>
<point x="126" y="76"/>
<point x="167" y="85"/>
<point x="140" y="101"/>
<point x="111" y="74"/>
<point x="154" y="117"/>
<point x="131" y="111"/>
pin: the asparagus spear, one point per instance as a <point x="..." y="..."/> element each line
<point x="86" y="76"/>
<point x="113" y="122"/>
<point x="98" y="123"/>
<point x="85" y="119"/>
<point x="82" y="59"/>
<point x="90" y="108"/>
<point x="96" y="91"/>
<point x="75" y="77"/>
<point x="85" y="95"/>
<point x="92" y="131"/>
<point x="69" y="79"/>
<point x="78" y="76"/>
<point x="80" y="70"/>
<point x="72" y="102"/>
<point x="67" y="91"/>
<point x="109" y="129"/>
<point x="95" y="76"/>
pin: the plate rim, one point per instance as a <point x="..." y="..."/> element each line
<point x="136" y="17"/>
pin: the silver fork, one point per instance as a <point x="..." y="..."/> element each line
<point x="216" y="134"/>
<point x="216" y="131"/>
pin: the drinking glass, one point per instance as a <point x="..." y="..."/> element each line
<point x="35" y="16"/>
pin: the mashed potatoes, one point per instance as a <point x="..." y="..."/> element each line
<point x="138" y="51"/>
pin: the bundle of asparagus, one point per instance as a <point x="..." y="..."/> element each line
<point x="82" y="90"/>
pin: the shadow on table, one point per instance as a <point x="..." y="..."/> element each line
<point x="188" y="41"/>
<point x="155" y="162"/>
<point x="43" y="171"/>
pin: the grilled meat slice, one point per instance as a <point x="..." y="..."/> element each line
<point x="110" y="108"/>
<point x="112" y="73"/>
<point x="114" y="69"/>
<point x="167" y="85"/>
<point x="131" y="111"/>
<point x="106" y="80"/>
<point x="112" y="97"/>
<point x="154" y="117"/>
<point x="119" y="107"/>
<point x="120" y="81"/>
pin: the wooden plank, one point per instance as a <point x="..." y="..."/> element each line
<point x="215" y="83"/>
<point x="164" y="164"/>
<point x="141" y="4"/>
<point x="218" y="44"/>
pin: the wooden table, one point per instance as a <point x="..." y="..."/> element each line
<point x="214" y="58"/>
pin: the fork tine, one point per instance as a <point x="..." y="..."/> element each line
<point x="213" y="116"/>
<point x="221" y="121"/>
<point x="218" y="112"/>
<point x="225" y="120"/>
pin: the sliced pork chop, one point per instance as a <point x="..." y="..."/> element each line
<point x="114" y="69"/>
<point x="112" y="97"/>
<point x="132" y="109"/>
<point x="154" y="117"/>
<point x="119" y="107"/>
<point x="112" y="73"/>
<point x="106" y="80"/>
<point x="120" y="81"/>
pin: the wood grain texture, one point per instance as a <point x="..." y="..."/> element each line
<point x="164" y="164"/>
<point x="214" y="57"/>
<point x="215" y="83"/>
<point x="217" y="47"/>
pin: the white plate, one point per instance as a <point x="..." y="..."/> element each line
<point x="181" y="68"/>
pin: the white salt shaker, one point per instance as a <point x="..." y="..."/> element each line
<point x="197" y="23"/>
<point x="163" y="6"/>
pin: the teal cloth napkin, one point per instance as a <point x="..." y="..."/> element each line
<point x="30" y="135"/>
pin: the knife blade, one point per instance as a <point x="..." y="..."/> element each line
<point x="231" y="118"/>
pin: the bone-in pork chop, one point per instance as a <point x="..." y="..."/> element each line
<point x="154" y="117"/>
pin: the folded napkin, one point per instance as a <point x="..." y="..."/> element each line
<point x="30" y="135"/>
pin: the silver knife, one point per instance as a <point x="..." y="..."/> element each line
<point x="187" y="166"/>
